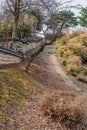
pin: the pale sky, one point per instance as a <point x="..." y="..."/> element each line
<point x="75" y="2"/>
<point x="81" y="2"/>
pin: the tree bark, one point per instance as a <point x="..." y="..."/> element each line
<point x="15" y="25"/>
<point x="14" y="6"/>
<point x="34" y="55"/>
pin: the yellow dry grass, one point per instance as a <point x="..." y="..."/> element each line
<point x="72" y="51"/>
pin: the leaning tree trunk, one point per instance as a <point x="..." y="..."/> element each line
<point x="33" y="56"/>
<point x="43" y="45"/>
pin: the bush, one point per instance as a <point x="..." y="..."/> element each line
<point x="65" y="108"/>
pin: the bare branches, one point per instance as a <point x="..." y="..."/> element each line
<point x="47" y="19"/>
<point x="10" y="7"/>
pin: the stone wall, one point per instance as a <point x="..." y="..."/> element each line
<point x="6" y="58"/>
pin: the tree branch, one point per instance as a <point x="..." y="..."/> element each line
<point x="10" y="8"/>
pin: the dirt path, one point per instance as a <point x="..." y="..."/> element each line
<point x="48" y="60"/>
<point x="58" y="68"/>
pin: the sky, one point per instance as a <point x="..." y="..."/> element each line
<point x="81" y="2"/>
<point x="75" y="2"/>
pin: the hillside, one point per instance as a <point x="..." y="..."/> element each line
<point x="72" y="52"/>
<point x="39" y="99"/>
<point x="16" y="89"/>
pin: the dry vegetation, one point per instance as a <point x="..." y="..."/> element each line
<point x="64" y="108"/>
<point x="38" y="100"/>
<point x="16" y="89"/>
<point x="72" y="51"/>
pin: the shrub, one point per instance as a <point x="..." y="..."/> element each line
<point x="65" y="108"/>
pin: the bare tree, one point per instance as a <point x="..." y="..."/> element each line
<point x="46" y="13"/>
<point x="14" y="7"/>
<point x="49" y="22"/>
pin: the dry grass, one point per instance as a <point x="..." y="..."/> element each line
<point x="16" y="89"/>
<point x="72" y="51"/>
<point x="64" y="108"/>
